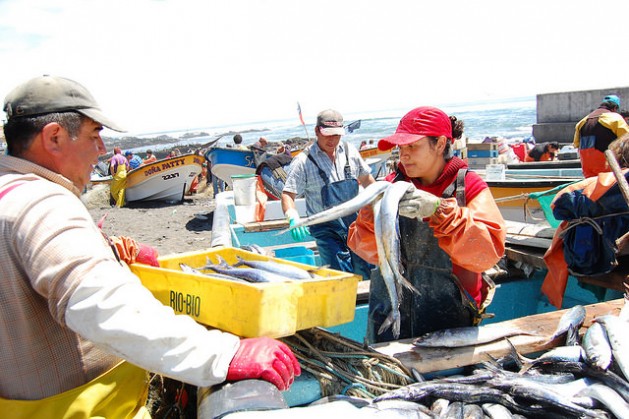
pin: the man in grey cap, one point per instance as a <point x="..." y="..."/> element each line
<point x="72" y="312"/>
<point x="327" y="174"/>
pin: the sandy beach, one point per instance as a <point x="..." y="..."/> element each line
<point x="170" y="228"/>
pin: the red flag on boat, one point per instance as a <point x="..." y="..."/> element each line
<point x="301" y="118"/>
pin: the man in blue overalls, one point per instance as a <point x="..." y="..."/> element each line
<point x="327" y="173"/>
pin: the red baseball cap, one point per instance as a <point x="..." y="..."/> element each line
<point x="425" y="121"/>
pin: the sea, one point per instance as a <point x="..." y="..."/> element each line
<point x="511" y="119"/>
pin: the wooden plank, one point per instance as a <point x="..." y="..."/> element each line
<point x="427" y="360"/>
<point x="266" y="225"/>
<point x="534" y="258"/>
<point x="614" y="280"/>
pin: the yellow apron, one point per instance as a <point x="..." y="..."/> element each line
<point x="118" y="185"/>
<point x="119" y="393"/>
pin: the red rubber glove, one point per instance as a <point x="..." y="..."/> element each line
<point x="264" y="358"/>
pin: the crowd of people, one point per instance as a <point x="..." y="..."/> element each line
<point x="85" y="330"/>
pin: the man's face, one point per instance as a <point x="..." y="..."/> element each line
<point x="327" y="143"/>
<point x="80" y="155"/>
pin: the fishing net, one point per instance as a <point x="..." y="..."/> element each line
<point x="343" y="366"/>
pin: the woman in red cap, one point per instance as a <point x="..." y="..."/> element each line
<point x="450" y="230"/>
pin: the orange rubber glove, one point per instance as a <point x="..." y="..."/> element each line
<point x="266" y="359"/>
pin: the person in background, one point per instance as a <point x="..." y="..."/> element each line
<point x="595" y="132"/>
<point x="450" y="231"/>
<point x="150" y="158"/>
<point x="116" y="160"/>
<point x="283" y="149"/>
<point x="72" y="312"/>
<point x="363" y="145"/>
<point x="594" y="218"/>
<point x="260" y="144"/>
<point x="118" y="168"/>
<point x="543" y="152"/>
<point x="238" y="142"/>
<point x="134" y="160"/>
<point x="327" y="173"/>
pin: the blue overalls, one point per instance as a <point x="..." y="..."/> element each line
<point x="441" y="301"/>
<point x="331" y="237"/>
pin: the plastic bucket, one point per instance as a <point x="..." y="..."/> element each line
<point x="244" y="189"/>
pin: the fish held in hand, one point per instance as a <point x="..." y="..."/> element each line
<point x="366" y="196"/>
<point x="394" y="318"/>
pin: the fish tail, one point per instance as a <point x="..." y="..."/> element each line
<point x="409" y="285"/>
<point x="240" y="262"/>
<point x="393" y="321"/>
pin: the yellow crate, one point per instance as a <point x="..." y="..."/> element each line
<point x="250" y="310"/>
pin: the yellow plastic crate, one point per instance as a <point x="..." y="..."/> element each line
<point x="250" y="310"/>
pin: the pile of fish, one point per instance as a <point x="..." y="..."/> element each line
<point x="252" y="271"/>
<point x="585" y="378"/>
<point x="385" y="197"/>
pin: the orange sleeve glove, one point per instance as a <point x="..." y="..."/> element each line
<point x="361" y="237"/>
<point x="474" y="236"/>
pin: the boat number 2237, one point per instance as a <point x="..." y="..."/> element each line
<point x="170" y="176"/>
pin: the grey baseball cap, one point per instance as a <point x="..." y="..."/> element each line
<point x="330" y="122"/>
<point x="48" y="94"/>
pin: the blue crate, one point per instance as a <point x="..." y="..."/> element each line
<point x="299" y="254"/>
<point x="482" y="153"/>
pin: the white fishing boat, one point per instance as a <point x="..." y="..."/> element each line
<point x="164" y="180"/>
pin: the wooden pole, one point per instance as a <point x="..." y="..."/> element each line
<point x="622" y="182"/>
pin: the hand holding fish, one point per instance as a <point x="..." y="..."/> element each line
<point x="418" y="204"/>
<point x="298" y="233"/>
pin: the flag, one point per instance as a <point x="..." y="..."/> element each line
<point x="301" y="118"/>
<point x="353" y="126"/>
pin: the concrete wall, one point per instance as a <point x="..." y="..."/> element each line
<point x="558" y="113"/>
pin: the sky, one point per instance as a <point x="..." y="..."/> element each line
<point x="158" y="65"/>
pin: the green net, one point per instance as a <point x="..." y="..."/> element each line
<point x="545" y="198"/>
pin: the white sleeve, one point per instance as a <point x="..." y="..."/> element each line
<point x="121" y="316"/>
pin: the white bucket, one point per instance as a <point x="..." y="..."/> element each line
<point x="495" y="172"/>
<point x="245" y="213"/>
<point x="244" y="189"/>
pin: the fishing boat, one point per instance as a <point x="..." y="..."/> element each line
<point x="164" y="180"/>
<point x="227" y="162"/>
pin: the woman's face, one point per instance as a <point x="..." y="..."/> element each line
<point x="423" y="159"/>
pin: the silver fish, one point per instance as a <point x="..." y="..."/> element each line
<point x="597" y="347"/>
<point x="570" y="353"/>
<point x="466" y="336"/>
<point x="616" y="330"/>
<point x="398" y="409"/>
<point x="248" y="274"/>
<point x="284" y="269"/>
<point x="189" y="269"/>
<point x="496" y="411"/>
<point x="391" y="232"/>
<point x="394" y="319"/>
<point x="473" y="411"/>
<point x="365" y="197"/>
<point x="573" y="318"/>
<point x="609" y="397"/>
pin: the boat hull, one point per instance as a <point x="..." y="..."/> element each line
<point x="164" y="180"/>
<point x="227" y="162"/>
<point x="554" y="164"/>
